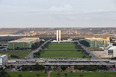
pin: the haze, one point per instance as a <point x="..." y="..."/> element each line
<point x="57" y="13"/>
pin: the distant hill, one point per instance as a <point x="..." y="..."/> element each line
<point x="66" y="32"/>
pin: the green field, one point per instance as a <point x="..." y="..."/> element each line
<point x="63" y="50"/>
<point x="27" y="74"/>
<point x="63" y="74"/>
<point x="85" y="74"/>
<point x="21" y="54"/>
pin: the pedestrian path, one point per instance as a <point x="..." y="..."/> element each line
<point x="49" y="74"/>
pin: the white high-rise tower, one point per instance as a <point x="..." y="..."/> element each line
<point x="58" y="35"/>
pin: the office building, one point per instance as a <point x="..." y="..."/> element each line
<point x="111" y="51"/>
<point x="3" y="59"/>
<point x="98" y="42"/>
<point x="58" y="35"/>
<point x="23" y="43"/>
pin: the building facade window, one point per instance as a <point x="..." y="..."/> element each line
<point x="110" y="52"/>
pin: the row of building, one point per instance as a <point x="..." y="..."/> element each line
<point x="104" y="43"/>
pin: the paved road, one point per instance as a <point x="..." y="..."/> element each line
<point x="88" y="51"/>
<point x="30" y="56"/>
<point x="62" y="61"/>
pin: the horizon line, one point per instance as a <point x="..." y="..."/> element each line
<point x="52" y="27"/>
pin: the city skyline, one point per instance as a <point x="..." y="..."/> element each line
<point x="57" y="13"/>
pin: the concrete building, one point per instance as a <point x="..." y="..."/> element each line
<point x="3" y="59"/>
<point x="23" y="43"/>
<point x="111" y="51"/>
<point x="58" y="35"/>
<point x="98" y="42"/>
<point x="68" y="40"/>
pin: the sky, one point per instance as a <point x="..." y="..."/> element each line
<point x="57" y="13"/>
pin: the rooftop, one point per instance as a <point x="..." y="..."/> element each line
<point x="93" y="38"/>
<point x="113" y="47"/>
<point x="25" y="40"/>
<point x="2" y="56"/>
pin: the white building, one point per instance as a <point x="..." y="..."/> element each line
<point x="68" y="40"/>
<point x="111" y="51"/>
<point x="58" y="35"/>
<point x="3" y="59"/>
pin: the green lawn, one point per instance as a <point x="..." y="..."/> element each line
<point x="27" y="74"/>
<point x="62" y="50"/>
<point x="62" y="74"/>
<point x="87" y="74"/>
<point x="21" y="54"/>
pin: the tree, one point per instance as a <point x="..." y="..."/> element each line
<point x="8" y="76"/>
<point x="45" y="70"/>
<point x="20" y="75"/>
<point x="58" y="74"/>
<point x="37" y="75"/>
<point x="65" y="74"/>
<point x="14" y="56"/>
<point x="84" y="56"/>
<point x="64" y="67"/>
<point x="33" y="67"/>
<point x="35" y="45"/>
<point x="80" y="67"/>
<point x="71" y="71"/>
<point x="81" y="75"/>
<point x="4" y="74"/>
<point x="85" y="43"/>
<point x="54" y="69"/>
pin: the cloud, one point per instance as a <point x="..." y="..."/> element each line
<point x="65" y="7"/>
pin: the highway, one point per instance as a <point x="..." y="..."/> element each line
<point x="61" y="61"/>
<point x="30" y="56"/>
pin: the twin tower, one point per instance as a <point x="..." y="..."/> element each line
<point x="58" y="35"/>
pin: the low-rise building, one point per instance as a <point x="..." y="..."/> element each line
<point x="23" y="43"/>
<point x="98" y="42"/>
<point x="3" y="59"/>
<point x="111" y="51"/>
